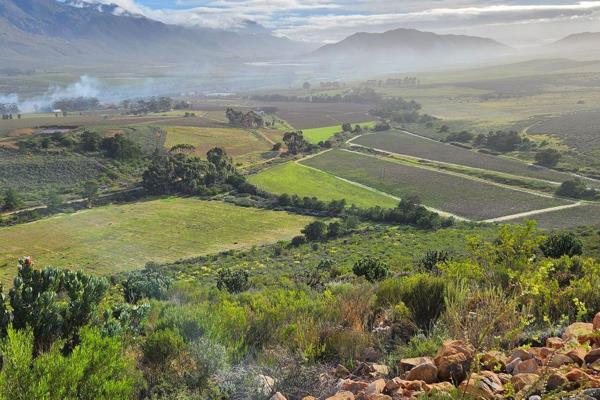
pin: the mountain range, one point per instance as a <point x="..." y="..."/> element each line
<point x="41" y="33"/>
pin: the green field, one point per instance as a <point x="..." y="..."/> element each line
<point x="414" y="146"/>
<point x="461" y="196"/>
<point x="236" y="141"/>
<point x="298" y="179"/>
<point x="317" y="135"/>
<point x="114" y="238"/>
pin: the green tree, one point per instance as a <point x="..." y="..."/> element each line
<point x="121" y="148"/>
<point x="90" y="141"/>
<point x="12" y="200"/>
<point x="547" y="157"/>
<point x="295" y="142"/>
<point x="90" y="192"/>
<point x="233" y="281"/>
<point x="315" y="231"/>
<point x="222" y="162"/>
<point x="54" y="200"/>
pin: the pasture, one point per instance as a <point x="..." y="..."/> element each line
<point x="114" y="238"/>
<point x="236" y="141"/>
<point x="316" y="135"/>
<point x="293" y="178"/>
<point x="414" y="146"/>
<point x="464" y="197"/>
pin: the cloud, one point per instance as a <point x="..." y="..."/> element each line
<point x="329" y="20"/>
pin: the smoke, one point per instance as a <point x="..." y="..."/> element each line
<point x="85" y="87"/>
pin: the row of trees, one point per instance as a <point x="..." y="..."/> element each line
<point x="150" y="105"/>
<point x="362" y="95"/>
<point x="246" y="120"/>
<point x="76" y="104"/>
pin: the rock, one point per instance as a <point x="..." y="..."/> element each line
<point x="441" y="387"/>
<point x="348" y="385"/>
<point x="535" y="397"/>
<point x="574" y="331"/>
<point x="504" y="378"/>
<point x="519" y="353"/>
<point x="510" y="367"/>
<point x="493" y="361"/>
<point x="380" y="369"/>
<point x="341" y="371"/>
<point x="556" y="381"/>
<point x="394" y="384"/>
<point x="526" y="367"/>
<point x="577" y="355"/>
<point x="309" y="398"/>
<point x="523" y="380"/>
<point x="595" y="392"/>
<point x="343" y="395"/>
<point x="577" y="375"/>
<point x="558" y="360"/>
<point x="554" y="343"/>
<point x="278" y="396"/>
<point x="371" y="370"/>
<point x="267" y="383"/>
<point x="380" y="396"/>
<point x="426" y="372"/>
<point x="482" y="386"/>
<point x="596" y="322"/>
<point x="417" y="386"/>
<point x="453" y="360"/>
<point x="407" y="364"/>
<point x="375" y="387"/>
<point x="592" y="356"/>
<point x="370" y="354"/>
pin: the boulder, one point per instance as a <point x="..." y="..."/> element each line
<point x="554" y="343"/>
<point x="266" y="383"/>
<point x="371" y="370"/>
<point x="426" y="372"/>
<point x="592" y="356"/>
<point x="375" y="387"/>
<point x="380" y="369"/>
<point x="577" y="354"/>
<point x="406" y="364"/>
<point x="343" y="395"/>
<point x="309" y="398"/>
<point x="394" y="384"/>
<point x="453" y="360"/>
<point x="278" y="396"/>
<point x="593" y="393"/>
<point x="556" y="381"/>
<point x="482" y="386"/>
<point x="596" y="322"/>
<point x="526" y="367"/>
<point x="441" y="387"/>
<point x="523" y="380"/>
<point x="577" y="375"/>
<point x="558" y="360"/>
<point x="349" y="385"/>
<point x="520" y="353"/>
<point x="493" y="361"/>
<point x="380" y="396"/>
<point x="510" y="367"/>
<point x="577" y="329"/>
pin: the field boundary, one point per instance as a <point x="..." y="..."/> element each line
<point x="534" y="212"/>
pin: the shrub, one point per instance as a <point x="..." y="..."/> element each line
<point x="462" y="137"/>
<point x="431" y="259"/>
<point x="371" y="268"/>
<point x="298" y="241"/>
<point x="562" y="244"/>
<point x="547" y="157"/>
<point x="233" y="281"/>
<point x="576" y="189"/>
<point x="146" y="284"/>
<point x="162" y="346"/>
<point x="315" y="231"/>
<point x="422" y="294"/>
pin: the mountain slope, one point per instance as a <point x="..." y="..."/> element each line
<point x="410" y="47"/>
<point x="42" y="32"/>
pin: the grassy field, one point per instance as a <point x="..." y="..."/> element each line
<point x="315" y="115"/>
<point x="572" y="217"/>
<point x="236" y="141"/>
<point x="109" y="239"/>
<point x="297" y="179"/>
<point x="316" y="135"/>
<point x="402" y="143"/>
<point x="461" y="196"/>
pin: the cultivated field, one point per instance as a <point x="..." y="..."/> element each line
<point x="570" y="218"/>
<point x="235" y="141"/>
<point x="109" y="239"/>
<point x="580" y="130"/>
<point x="293" y="178"/>
<point x="461" y="196"/>
<point x="316" y="115"/>
<point x="403" y="143"/>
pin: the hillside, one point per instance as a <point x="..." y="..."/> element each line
<point x="45" y="32"/>
<point x="411" y="47"/>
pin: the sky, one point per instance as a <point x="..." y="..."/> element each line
<point x="519" y="23"/>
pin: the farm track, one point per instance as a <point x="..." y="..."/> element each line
<point x="534" y="212"/>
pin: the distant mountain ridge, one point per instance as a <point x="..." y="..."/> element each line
<point x="40" y="32"/>
<point x="409" y="46"/>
